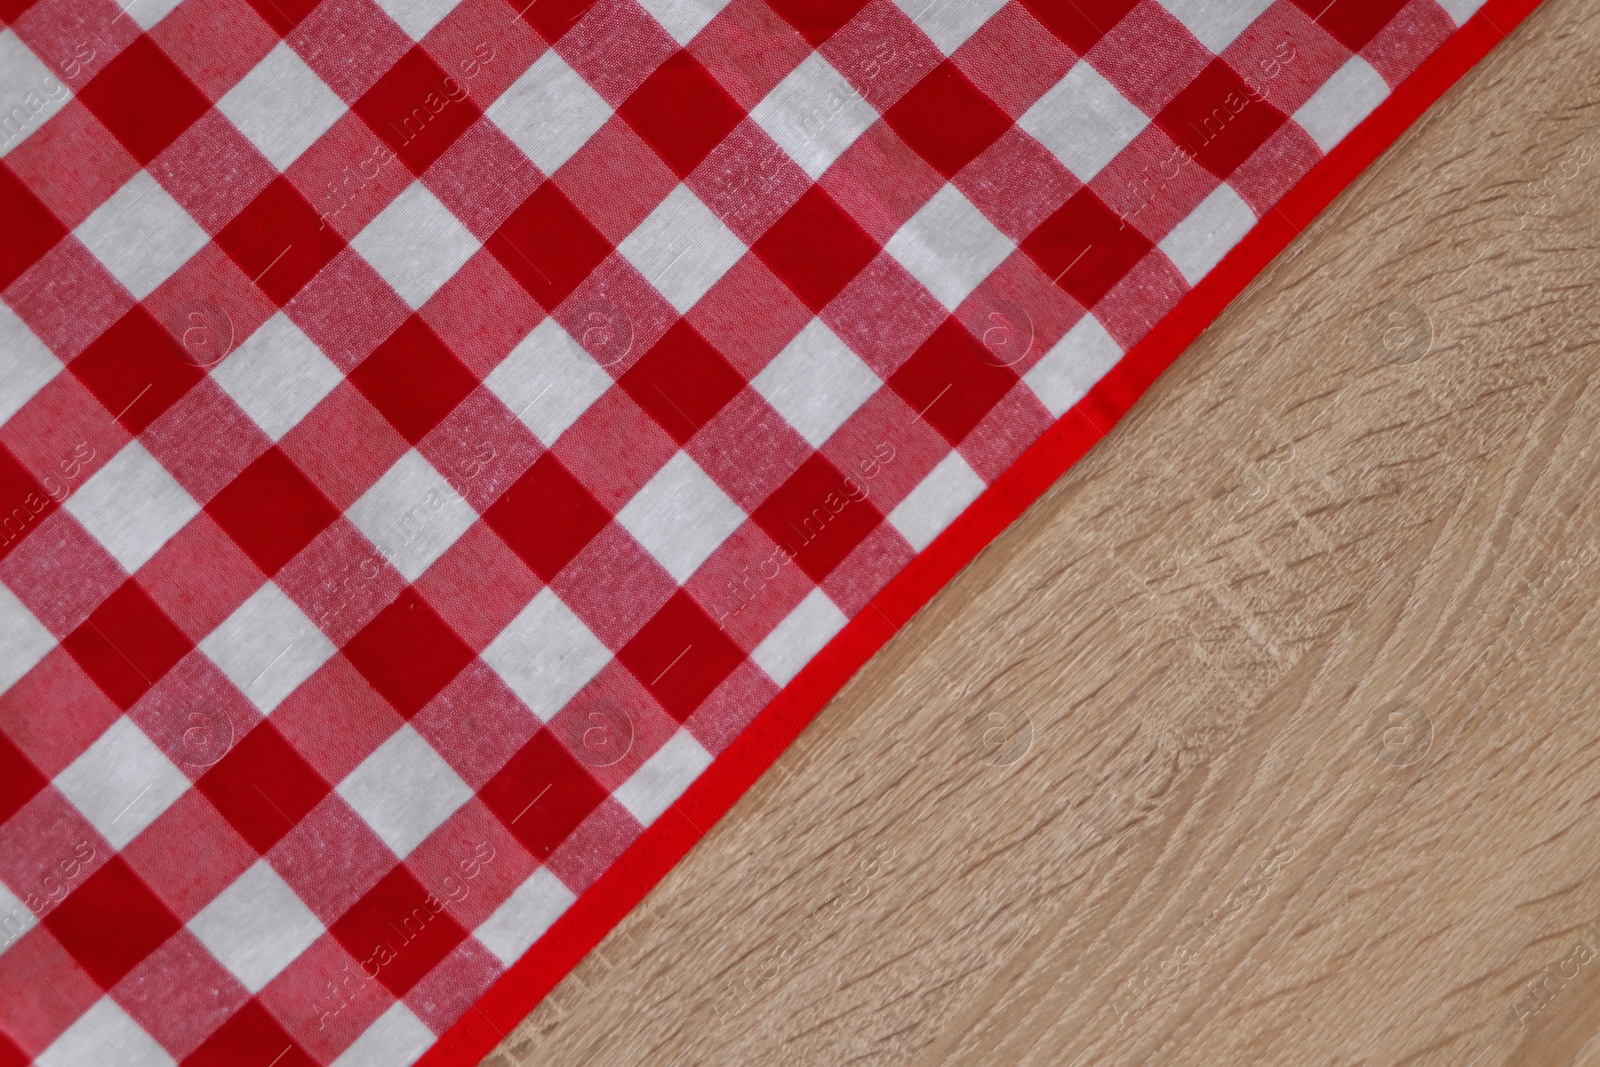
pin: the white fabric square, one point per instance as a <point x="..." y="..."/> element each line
<point x="814" y="115"/>
<point x="417" y="17"/>
<point x="30" y="93"/>
<point x="548" y="381"/>
<point x="267" y="648"/>
<point x="132" y="506"/>
<point x="16" y="918"/>
<point x="546" y="655"/>
<point x="256" y="927"/>
<point x="949" y="247"/>
<point x="281" y="106"/>
<point x="1199" y="242"/>
<point x="26" y="365"/>
<point x="1354" y="91"/>
<point x="1069" y="370"/>
<point x="105" y="1036"/>
<point x="663" y="777"/>
<point x="122" y="783"/>
<point x="412" y="515"/>
<point x="1461" y="10"/>
<point x="404" y="790"/>
<point x="1084" y="121"/>
<point x="550" y="112"/>
<point x="525" y="916"/>
<point x="23" y="639"/>
<point x="397" y="1038"/>
<point x="680" y="517"/>
<point x="936" y="501"/>
<point x="1216" y="23"/>
<point x="277" y="376"/>
<point x="682" y="249"/>
<point x="816" y="383"/>
<point x="683" y="19"/>
<point x="141" y="235"/>
<point x="800" y="636"/>
<point x="415" y="244"/>
<point x="948" y="23"/>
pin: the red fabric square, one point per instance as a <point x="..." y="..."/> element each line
<point x="615" y="179"/>
<point x="19" y="779"/>
<point x="408" y="653"/>
<point x="262" y="787"/>
<point x="947" y="119"/>
<point x="553" y="18"/>
<point x="682" y="112"/>
<point x="399" y="930"/>
<point x="682" y="382"/>
<point x="112" y="922"/>
<point x="817" y="20"/>
<point x="1216" y="119"/>
<point x="1085" y="248"/>
<point x="813" y="518"/>
<point x="61" y="574"/>
<point x="199" y="577"/>
<point x="190" y="35"/>
<point x="80" y="712"/>
<point x="127" y="644"/>
<point x="350" y="44"/>
<point x="164" y="855"/>
<point x="548" y="245"/>
<point x="67" y="298"/>
<point x="101" y="167"/>
<point x="614" y="561"/>
<point x="681" y="655"/>
<point x="478" y="724"/>
<point x="453" y="586"/>
<point x="180" y="993"/>
<point x="413" y="379"/>
<point x="212" y="171"/>
<point x="614" y="475"/>
<point x="29" y="504"/>
<point x="417" y="109"/>
<point x="542" y="794"/>
<point x="284" y="15"/>
<point x="280" y="241"/>
<point x="344" y="445"/>
<point x="27" y="229"/>
<point x="1353" y="22"/>
<point x="332" y="857"/>
<point x="952" y="381"/>
<point x="11" y="10"/>
<point x="272" y="511"/>
<point x="749" y="49"/>
<point x="251" y="1033"/>
<point x="816" y="248"/>
<point x="1417" y="31"/>
<point x="1080" y="23"/>
<point x="547" y="517"/>
<point x="44" y="987"/>
<point x="136" y="370"/>
<point x="143" y="98"/>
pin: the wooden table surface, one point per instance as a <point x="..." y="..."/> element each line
<point x="1268" y="736"/>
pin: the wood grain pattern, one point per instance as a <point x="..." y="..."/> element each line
<point x="1269" y="736"/>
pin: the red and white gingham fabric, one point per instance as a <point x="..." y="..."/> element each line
<point x="430" y="431"/>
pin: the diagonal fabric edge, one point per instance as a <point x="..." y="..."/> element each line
<point x="659" y="848"/>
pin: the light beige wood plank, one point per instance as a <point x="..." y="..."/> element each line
<point x="1219" y="844"/>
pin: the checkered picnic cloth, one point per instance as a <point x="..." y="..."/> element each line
<point x="431" y="431"/>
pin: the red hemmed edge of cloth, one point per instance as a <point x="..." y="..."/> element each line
<point x="658" y="849"/>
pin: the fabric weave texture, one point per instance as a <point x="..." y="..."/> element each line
<point x="432" y="431"/>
